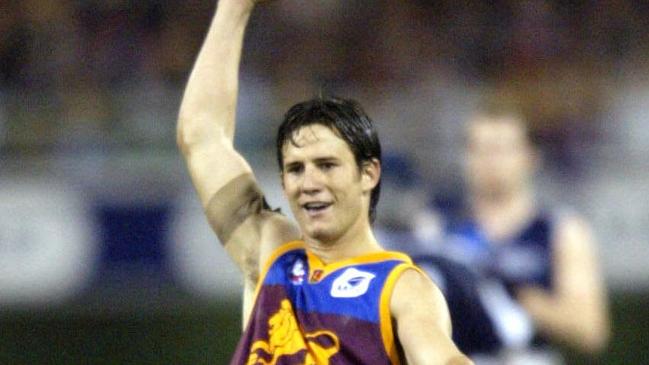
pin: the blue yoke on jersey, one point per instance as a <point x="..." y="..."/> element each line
<point x="308" y="312"/>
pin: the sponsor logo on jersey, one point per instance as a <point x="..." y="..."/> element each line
<point x="351" y="283"/>
<point x="316" y="276"/>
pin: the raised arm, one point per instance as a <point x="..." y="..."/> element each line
<point x="233" y="203"/>
<point x="423" y="322"/>
<point x="576" y="311"/>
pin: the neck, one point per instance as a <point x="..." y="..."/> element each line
<point x="502" y="215"/>
<point x="355" y="242"/>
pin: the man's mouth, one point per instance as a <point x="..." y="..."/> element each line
<point x="314" y="208"/>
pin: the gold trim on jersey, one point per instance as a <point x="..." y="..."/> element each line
<point x="385" y="317"/>
<point x="320" y="270"/>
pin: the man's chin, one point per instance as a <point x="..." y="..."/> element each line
<point x="320" y="234"/>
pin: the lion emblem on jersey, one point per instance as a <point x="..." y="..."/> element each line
<point x="285" y="339"/>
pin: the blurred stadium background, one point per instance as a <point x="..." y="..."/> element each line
<point x="105" y="257"/>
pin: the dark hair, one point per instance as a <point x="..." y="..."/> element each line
<point x="347" y="119"/>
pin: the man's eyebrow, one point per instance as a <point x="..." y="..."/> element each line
<point x="292" y="163"/>
<point x="322" y="159"/>
<point x="327" y="159"/>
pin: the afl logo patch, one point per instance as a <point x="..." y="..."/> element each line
<point x="297" y="273"/>
<point x="351" y="283"/>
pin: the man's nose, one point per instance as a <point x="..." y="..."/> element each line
<point x="312" y="180"/>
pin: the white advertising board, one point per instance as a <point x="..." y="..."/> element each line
<point x="197" y="259"/>
<point x="47" y="249"/>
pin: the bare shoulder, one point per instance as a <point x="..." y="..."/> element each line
<point x="573" y="225"/>
<point x="276" y="230"/>
<point x="416" y="294"/>
<point x="573" y="234"/>
<point x="410" y="282"/>
<point x="575" y="257"/>
<point x="423" y="323"/>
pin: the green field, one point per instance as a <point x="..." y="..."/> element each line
<point x="207" y="334"/>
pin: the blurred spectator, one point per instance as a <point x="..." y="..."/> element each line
<point x="51" y="49"/>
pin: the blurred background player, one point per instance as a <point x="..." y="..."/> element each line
<point x="522" y="254"/>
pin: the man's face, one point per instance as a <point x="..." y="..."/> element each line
<point x="499" y="158"/>
<point x="327" y="193"/>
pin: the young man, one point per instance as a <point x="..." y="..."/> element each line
<point x="544" y="257"/>
<point x="324" y="291"/>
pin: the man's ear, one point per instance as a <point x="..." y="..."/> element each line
<point x="370" y="174"/>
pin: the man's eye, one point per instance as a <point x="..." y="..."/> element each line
<point x="327" y="165"/>
<point x="294" y="169"/>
